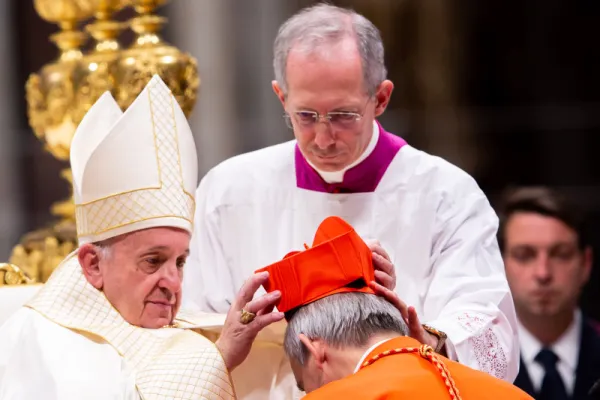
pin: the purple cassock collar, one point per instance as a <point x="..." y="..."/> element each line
<point x="362" y="178"/>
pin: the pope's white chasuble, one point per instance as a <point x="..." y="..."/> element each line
<point x="168" y="363"/>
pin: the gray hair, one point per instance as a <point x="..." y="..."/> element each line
<point x="342" y="320"/>
<point x="325" y="23"/>
<point x="105" y="249"/>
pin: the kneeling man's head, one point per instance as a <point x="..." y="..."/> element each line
<point x="333" y="315"/>
<point x="326" y="339"/>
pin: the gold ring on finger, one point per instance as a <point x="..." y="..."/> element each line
<point x="247" y="317"/>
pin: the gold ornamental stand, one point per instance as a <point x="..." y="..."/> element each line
<point x="60" y="94"/>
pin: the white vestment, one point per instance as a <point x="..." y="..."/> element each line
<point x="431" y="217"/>
<point x="43" y="360"/>
<point x="40" y="359"/>
<point x="68" y="342"/>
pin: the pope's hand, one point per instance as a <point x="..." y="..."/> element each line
<point x="239" y="333"/>
<point x="385" y="274"/>
<point x="415" y="328"/>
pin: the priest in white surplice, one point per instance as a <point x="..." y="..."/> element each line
<point x="107" y="323"/>
<point x="431" y="217"/>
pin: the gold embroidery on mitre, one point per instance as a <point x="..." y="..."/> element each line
<point x="169" y="363"/>
<point x="168" y="200"/>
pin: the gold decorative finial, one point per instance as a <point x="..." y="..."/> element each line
<point x="149" y="55"/>
<point x="60" y="94"/>
<point x="94" y="74"/>
<point x="50" y="93"/>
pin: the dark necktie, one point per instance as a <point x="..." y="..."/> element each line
<point x="553" y="387"/>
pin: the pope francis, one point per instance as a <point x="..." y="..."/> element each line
<point x="107" y="324"/>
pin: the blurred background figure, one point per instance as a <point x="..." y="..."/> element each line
<point x="548" y="261"/>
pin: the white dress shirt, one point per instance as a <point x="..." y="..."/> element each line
<point x="566" y="349"/>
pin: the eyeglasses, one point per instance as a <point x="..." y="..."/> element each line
<point x="337" y="119"/>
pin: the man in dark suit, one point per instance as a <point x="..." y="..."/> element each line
<point x="548" y="261"/>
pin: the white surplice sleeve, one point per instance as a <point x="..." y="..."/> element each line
<point x="468" y="297"/>
<point x="207" y="281"/>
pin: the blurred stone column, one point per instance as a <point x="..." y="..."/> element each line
<point x="232" y="40"/>
<point x="439" y="62"/>
<point x="259" y="111"/>
<point x="204" y="29"/>
<point x="10" y="211"/>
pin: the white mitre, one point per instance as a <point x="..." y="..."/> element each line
<point x="134" y="170"/>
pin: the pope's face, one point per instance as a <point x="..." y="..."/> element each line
<point x="142" y="275"/>
<point x="545" y="267"/>
<point x="330" y="82"/>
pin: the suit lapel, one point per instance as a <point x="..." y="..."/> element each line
<point x="523" y="380"/>
<point x="588" y="366"/>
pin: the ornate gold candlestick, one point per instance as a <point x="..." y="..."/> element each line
<point x="50" y="93"/>
<point x="50" y="98"/>
<point x="63" y="91"/>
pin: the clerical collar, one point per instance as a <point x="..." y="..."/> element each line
<point x="362" y="176"/>
<point x="369" y="351"/>
<point x="338" y="176"/>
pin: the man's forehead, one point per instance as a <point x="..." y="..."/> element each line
<point x="536" y="229"/>
<point x="331" y="68"/>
